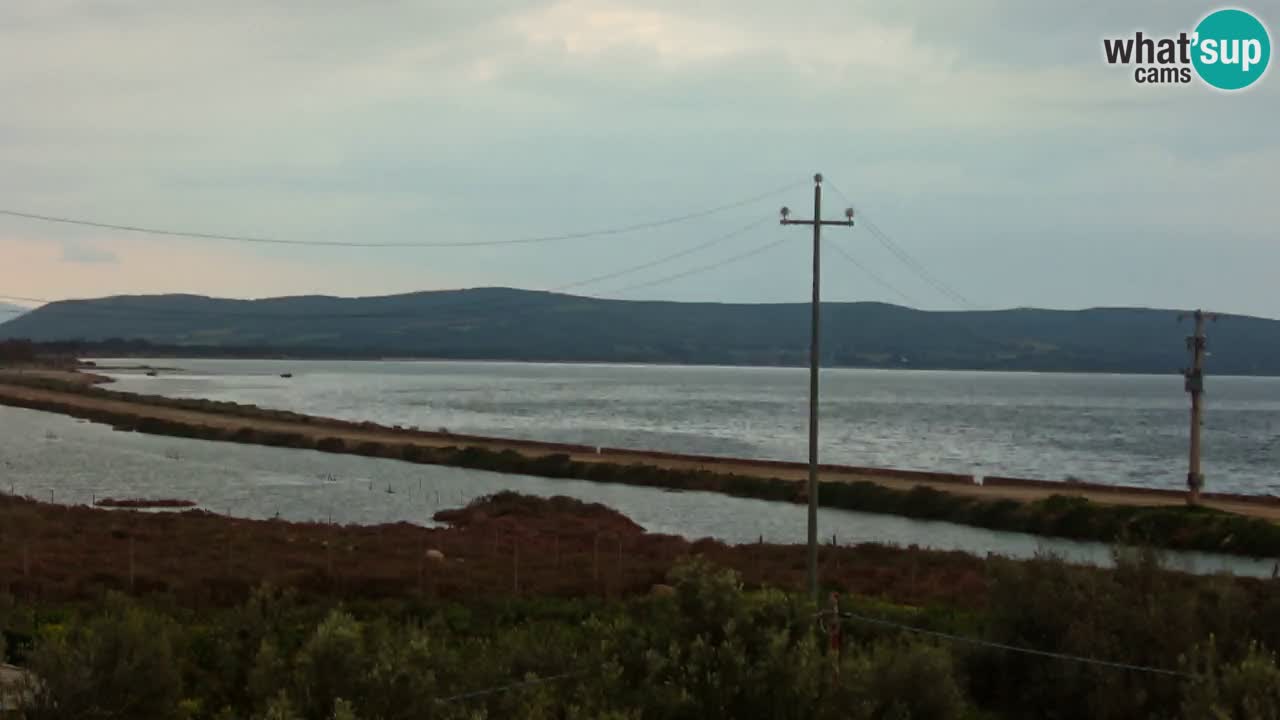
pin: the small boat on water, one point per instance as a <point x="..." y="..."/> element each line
<point x="286" y="375"/>
<point x="152" y="373"/>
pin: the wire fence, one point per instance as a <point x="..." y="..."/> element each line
<point x="877" y="622"/>
<point x="979" y="642"/>
<point x="519" y="685"/>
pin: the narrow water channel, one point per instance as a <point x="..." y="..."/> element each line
<point x="53" y="457"/>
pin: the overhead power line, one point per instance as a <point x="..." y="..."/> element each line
<point x="848" y="256"/>
<point x="602" y="232"/>
<point x="662" y="260"/>
<point x="708" y="267"/>
<point x="1017" y="649"/>
<point x="471" y="304"/>
<point x="917" y="267"/>
<point x="907" y="259"/>
<point x="522" y="308"/>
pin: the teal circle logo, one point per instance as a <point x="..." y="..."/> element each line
<point x="1231" y="49"/>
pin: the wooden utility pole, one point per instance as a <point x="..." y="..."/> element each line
<point x="1195" y="385"/>
<point x="817" y="222"/>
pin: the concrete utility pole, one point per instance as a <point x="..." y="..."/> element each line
<point x="1195" y="385"/>
<point x="817" y="222"/>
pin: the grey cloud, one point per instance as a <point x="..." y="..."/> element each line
<point x="82" y="253"/>
<point x="998" y="151"/>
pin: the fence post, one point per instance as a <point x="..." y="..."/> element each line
<point x="595" y="559"/>
<point x="835" y="634"/>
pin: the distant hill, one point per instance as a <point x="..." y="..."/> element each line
<point x="506" y="324"/>
<point x="9" y="311"/>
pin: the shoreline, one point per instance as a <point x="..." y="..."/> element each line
<point x="1011" y="487"/>
<point x="1241" y="525"/>
<point x="642" y="364"/>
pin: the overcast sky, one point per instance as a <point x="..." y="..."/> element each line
<point x="987" y="138"/>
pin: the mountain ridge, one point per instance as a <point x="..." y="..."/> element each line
<point x="498" y="323"/>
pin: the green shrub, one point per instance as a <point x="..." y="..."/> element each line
<point x="899" y="680"/>
<point x="120" y="664"/>
<point x="1249" y="688"/>
<point x="331" y="665"/>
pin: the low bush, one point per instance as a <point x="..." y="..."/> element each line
<point x="1136" y="642"/>
<point x="283" y="439"/>
<point x="245" y="434"/>
<point x="370" y="448"/>
<point x="332" y="444"/>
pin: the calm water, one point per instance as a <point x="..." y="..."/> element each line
<point x="71" y="461"/>
<point x="1121" y="429"/>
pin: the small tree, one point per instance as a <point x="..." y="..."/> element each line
<point x="330" y="666"/>
<point x="280" y="708"/>
<point x="120" y="664"/>
<point x="1247" y="689"/>
<point x="914" y="681"/>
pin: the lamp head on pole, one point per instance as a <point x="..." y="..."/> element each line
<point x="817" y="178"/>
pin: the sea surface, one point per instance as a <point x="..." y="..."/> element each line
<point x="61" y="459"/>
<point x="1118" y="429"/>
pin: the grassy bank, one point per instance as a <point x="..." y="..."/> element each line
<point x="1074" y="517"/>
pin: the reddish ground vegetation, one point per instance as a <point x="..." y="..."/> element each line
<point x="511" y="510"/>
<point x="499" y="546"/>
<point x="143" y="503"/>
